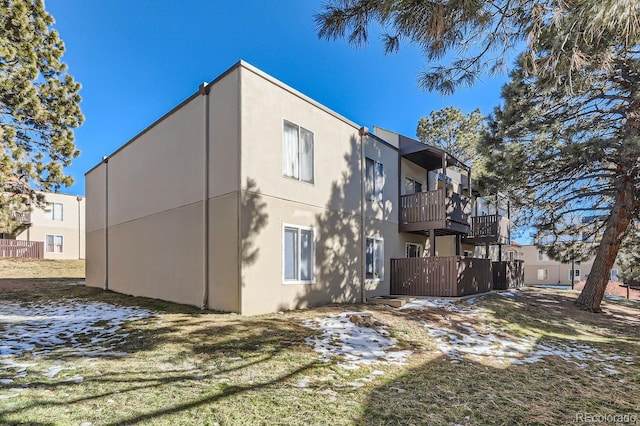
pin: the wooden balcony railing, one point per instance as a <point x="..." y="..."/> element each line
<point x="488" y="229"/>
<point x="433" y="210"/>
<point x="440" y="276"/>
<point x="22" y="217"/>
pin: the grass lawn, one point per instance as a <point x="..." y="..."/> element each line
<point x="41" y="268"/>
<point x="527" y="357"/>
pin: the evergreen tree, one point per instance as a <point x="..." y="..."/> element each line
<point x="572" y="161"/>
<point x="39" y="107"/>
<point x="453" y="131"/>
<point x="481" y="35"/>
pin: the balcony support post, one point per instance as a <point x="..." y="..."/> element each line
<point x="432" y="242"/>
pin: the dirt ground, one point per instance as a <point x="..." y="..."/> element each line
<point x="34" y="284"/>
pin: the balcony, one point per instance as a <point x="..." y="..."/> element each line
<point x="443" y="211"/>
<point x="491" y="229"/>
<point x="21" y="217"/>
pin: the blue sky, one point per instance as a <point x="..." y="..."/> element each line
<point x="137" y="59"/>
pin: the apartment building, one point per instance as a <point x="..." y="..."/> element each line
<point x="251" y="197"/>
<point x="539" y="269"/>
<point x="56" y="231"/>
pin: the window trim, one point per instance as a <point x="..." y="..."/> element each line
<point x="374" y="192"/>
<point x="286" y="122"/>
<point x="50" y="211"/>
<point x="376" y="240"/>
<point x="299" y="228"/>
<point x="54" y="236"/>
<point x="420" y="249"/>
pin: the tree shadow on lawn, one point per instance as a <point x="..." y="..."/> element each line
<point x="221" y="350"/>
<point x="554" y="313"/>
<point x="445" y="392"/>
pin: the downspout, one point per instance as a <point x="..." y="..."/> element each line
<point x="203" y="90"/>
<point x="79" y="198"/>
<point x="363" y="133"/>
<point x="105" y="160"/>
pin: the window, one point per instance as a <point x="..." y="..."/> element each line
<point x="299" y="254"/>
<point x="297" y="153"/>
<point x="54" y="244"/>
<point x="614" y="275"/>
<point x="543" y="274"/>
<point x="412" y="186"/>
<point x="53" y="211"/>
<point x="541" y="256"/>
<point x="374" y="180"/>
<point x="414" y="250"/>
<point x="374" y="258"/>
<point x="574" y="273"/>
<point x="513" y="255"/>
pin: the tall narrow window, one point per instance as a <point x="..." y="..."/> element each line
<point x="299" y="254"/>
<point x="374" y="180"/>
<point x="53" y="211"/>
<point x="297" y="152"/>
<point x="374" y="258"/>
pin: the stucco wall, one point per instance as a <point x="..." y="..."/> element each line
<point x="156" y="206"/>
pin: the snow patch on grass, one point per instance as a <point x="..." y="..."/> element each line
<point x="355" y="344"/>
<point x="63" y="329"/>
<point x="46" y="328"/>
<point x="461" y="340"/>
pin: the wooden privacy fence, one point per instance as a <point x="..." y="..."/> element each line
<point x="508" y="274"/>
<point x="24" y="249"/>
<point x="440" y="276"/>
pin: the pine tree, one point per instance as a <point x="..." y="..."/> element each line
<point x="572" y="161"/>
<point x="39" y="107"/>
<point x="453" y="131"/>
<point x="484" y="36"/>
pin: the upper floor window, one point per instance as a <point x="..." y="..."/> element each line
<point x="542" y="256"/>
<point x="297" y="152"/>
<point x="374" y="180"/>
<point x="53" y="211"/>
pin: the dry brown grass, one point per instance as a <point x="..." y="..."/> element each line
<point x="41" y="268"/>
<point x="190" y="367"/>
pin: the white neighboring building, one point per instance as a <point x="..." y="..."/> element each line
<point x="540" y="269"/>
<point x="60" y="225"/>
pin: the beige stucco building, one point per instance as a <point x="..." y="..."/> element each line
<point x="539" y="269"/>
<point x="60" y="225"/>
<point x="251" y="197"/>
